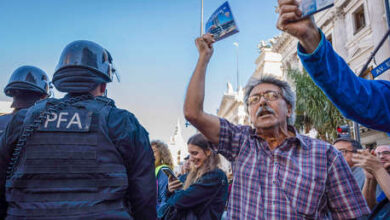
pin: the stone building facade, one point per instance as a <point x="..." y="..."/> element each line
<point x="178" y="147"/>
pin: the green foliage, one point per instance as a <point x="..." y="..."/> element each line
<point x="313" y="108"/>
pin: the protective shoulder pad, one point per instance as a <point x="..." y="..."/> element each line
<point x="105" y="100"/>
<point x="51" y="101"/>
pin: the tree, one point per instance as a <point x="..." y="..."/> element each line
<point x="313" y="108"/>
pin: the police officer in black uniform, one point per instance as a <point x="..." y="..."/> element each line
<point x="26" y="85"/>
<point x="78" y="157"/>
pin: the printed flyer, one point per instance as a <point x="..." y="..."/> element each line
<point x="221" y="23"/>
<point x="310" y="7"/>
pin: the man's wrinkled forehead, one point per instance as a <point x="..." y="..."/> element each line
<point x="382" y="148"/>
<point x="263" y="87"/>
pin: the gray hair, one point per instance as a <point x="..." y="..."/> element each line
<point x="287" y="92"/>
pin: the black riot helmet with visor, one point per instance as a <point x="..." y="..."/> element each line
<point x="28" y="79"/>
<point x="82" y="66"/>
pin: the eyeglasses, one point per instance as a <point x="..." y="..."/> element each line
<point x="268" y="96"/>
<point x="384" y="153"/>
<point x="344" y="151"/>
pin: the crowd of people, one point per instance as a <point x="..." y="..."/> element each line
<point x="81" y="157"/>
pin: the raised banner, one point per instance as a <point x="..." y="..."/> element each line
<point x="221" y="23"/>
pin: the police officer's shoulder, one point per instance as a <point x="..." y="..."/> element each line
<point x="105" y="100"/>
<point x="122" y="125"/>
<point x="15" y="126"/>
<point x="22" y="111"/>
<point x="123" y="114"/>
<point x="18" y="118"/>
<point x="5" y="117"/>
<point x="42" y="101"/>
<point x="41" y="104"/>
<point x="126" y="119"/>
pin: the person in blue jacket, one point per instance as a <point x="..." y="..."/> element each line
<point x="205" y="190"/>
<point x="162" y="158"/>
<point x="79" y="157"/>
<point x="364" y="101"/>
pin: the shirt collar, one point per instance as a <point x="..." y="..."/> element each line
<point x="298" y="136"/>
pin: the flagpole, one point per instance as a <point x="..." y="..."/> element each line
<point x="237" y="74"/>
<point x="201" y="20"/>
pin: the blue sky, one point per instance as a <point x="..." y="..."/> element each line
<point x="152" y="44"/>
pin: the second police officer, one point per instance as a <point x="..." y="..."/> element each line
<point x="79" y="157"/>
<point x="26" y="85"/>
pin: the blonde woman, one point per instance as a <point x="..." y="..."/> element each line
<point x="162" y="158"/>
<point x="204" y="193"/>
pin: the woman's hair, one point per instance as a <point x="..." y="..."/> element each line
<point x="211" y="163"/>
<point x="165" y="154"/>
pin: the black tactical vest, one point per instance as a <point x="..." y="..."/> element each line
<point x="70" y="168"/>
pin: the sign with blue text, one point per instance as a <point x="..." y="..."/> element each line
<point x="310" y="7"/>
<point x="381" y="68"/>
<point x="221" y="23"/>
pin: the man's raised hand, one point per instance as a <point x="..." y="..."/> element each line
<point x="205" y="46"/>
<point x="290" y="21"/>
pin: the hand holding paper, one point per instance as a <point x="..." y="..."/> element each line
<point x="290" y="21"/>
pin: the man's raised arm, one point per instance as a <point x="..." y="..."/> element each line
<point x="207" y="124"/>
<point x="364" y="101"/>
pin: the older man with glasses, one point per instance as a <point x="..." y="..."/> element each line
<point x="347" y="147"/>
<point x="277" y="172"/>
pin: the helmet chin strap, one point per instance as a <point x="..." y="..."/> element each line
<point x="105" y="93"/>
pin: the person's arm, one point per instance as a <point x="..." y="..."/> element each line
<point x="4" y="161"/>
<point x="162" y="181"/>
<point x="193" y="106"/>
<point x="224" y="136"/>
<point x="142" y="181"/>
<point x="383" y="179"/>
<point x="200" y="191"/>
<point x="7" y="141"/>
<point x="364" y="101"/>
<point x="369" y="190"/>
<point x="372" y="165"/>
<point x="132" y="141"/>
<point x="343" y="193"/>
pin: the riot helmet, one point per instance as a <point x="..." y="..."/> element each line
<point x="27" y="79"/>
<point x="82" y="66"/>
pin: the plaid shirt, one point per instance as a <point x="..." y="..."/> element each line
<point x="303" y="178"/>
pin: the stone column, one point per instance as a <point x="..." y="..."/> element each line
<point x="339" y="35"/>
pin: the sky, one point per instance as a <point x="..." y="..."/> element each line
<point x="152" y="45"/>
